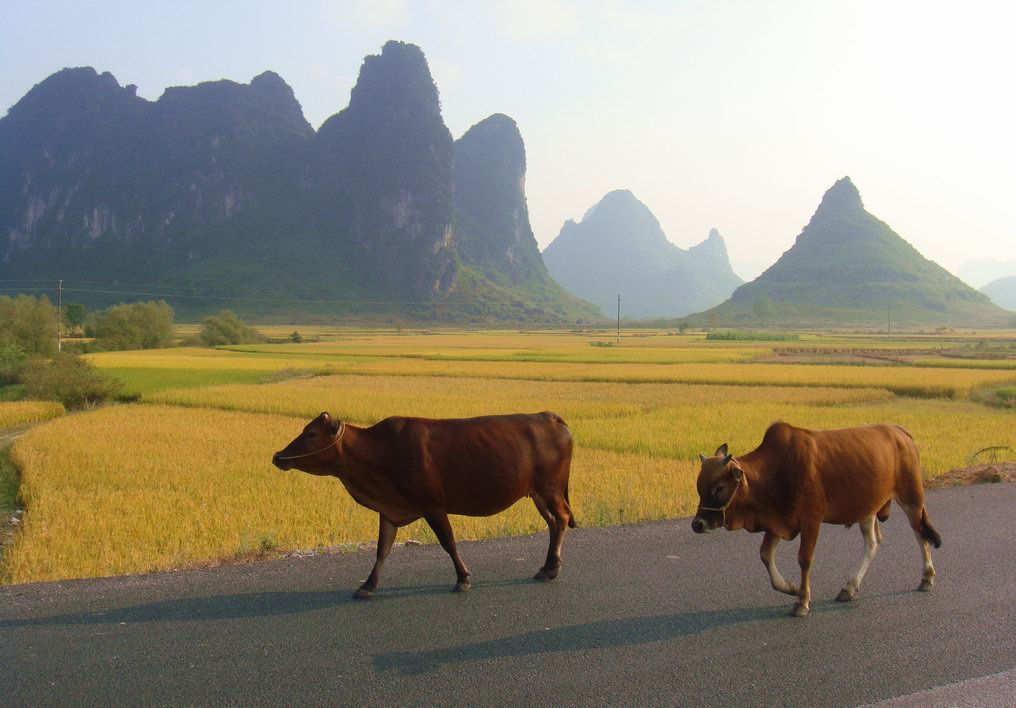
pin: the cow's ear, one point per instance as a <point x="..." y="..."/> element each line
<point x="737" y="472"/>
<point x="324" y="417"/>
<point x="721" y="451"/>
<point x="726" y="460"/>
<point x="701" y="457"/>
<point x="335" y="426"/>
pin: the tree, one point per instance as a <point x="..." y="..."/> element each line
<point x="296" y="337"/>
<point x="74" y="315"/>
<point x="28" y="323"/>
<point x="226" y="328"/>
<point x="139" y="325"/>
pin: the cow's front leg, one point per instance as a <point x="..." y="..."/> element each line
<point x="768" y="554"/>
<point x="443" y="530"/>
<point x="385" y="538"/>
<point x="871" y="542"/>
<point x="805" y="556"/>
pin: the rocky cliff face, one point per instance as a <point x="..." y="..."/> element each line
<point x="620" y="248"/>
<point x="383" y="168"/>
<point x="225" y="187"/>
<point x="491" y="217"/>
<point x="86" y="166"/>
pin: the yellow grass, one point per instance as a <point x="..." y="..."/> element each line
<point x="674" y="421"/>
<point x="23" y="412"/>
<point x="368" y="399"/>
<point x="134" y="489"/>
<point x="904" y="380"/>
<point x="187" y="478"/>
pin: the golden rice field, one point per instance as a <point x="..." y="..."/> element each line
<point x="136" y="489"/>
<point x="185" y="477"/>
<point x="15" y="413"/>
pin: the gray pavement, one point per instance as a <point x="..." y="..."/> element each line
<point x="648" y="614"/>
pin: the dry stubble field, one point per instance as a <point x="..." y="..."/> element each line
<point x="184" y="477"/>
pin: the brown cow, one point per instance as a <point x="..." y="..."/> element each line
<point x="411" y="468"/>
<point x="798" y="478"/>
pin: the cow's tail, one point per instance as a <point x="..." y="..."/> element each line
<point x="928" y="532"/>
<point x="571" y="516"/>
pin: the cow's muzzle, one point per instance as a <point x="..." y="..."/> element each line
<point x="698" y="525"/>
<point x="283" y="465"/>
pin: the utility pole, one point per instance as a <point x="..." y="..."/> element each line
<point x="59" y="316"/>
<point x="889" y="326"/>
<point x="619" y="318"/>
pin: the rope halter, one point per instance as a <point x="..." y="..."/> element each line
<point x="311" y="454"/>
<point x="730" y="499"/>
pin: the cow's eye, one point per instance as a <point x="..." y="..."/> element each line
<point x="718" y="491"/>
<point x="311" y="435"/>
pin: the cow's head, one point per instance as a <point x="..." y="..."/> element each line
<point x="718" y="482"/>
<point x="312" y="449"/>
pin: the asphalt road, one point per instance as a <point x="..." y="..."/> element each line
<point x="648" y="614"/>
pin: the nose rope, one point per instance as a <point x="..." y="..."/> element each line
<point x="310" y="454"/>
<point x="723" y="508"/>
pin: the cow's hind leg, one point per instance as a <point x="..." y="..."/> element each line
<point x="869" y="530"/>
<point x="917" y="515"/>
<point x="443" y="530"/>
<point x="557" y="515"/>
<point x="768" y="554"/>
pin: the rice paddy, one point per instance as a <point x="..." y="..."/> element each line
<point x="184" y="477"/>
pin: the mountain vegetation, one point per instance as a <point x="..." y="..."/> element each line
<point x="620" y="248"/>
<point x="848" y="267"/>
<point x="222" y="195"/>
<point x="1002" y="292"/>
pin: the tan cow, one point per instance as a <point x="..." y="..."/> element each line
<point x="798" y="479"/>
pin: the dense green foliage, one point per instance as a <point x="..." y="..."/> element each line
<point x="754" y="336"/>
<point x="226" y="328"/>
<point x="70" y="379"/>
<point x="619" y="248"/>
<point x="28" y="324"/>
<point x="138" y="325"/>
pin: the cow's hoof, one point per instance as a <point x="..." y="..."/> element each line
<point x="363" y="593"/>
<point x="462" y="587"/>
<point x="800" y="610"/>
<point x="845" y="596"/>
<point x="926" y="585"/>
<point x="545" y="574"/>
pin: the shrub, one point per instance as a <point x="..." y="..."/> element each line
<point x="12" y="358"/>
<point x="139" y="325"/>
<point x="69" y="379"/>
<point x="226" y="328"/>
<point x="28" y="323"/>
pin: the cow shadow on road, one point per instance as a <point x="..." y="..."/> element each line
<point x="606" y="634"/>
<point x="231" y="607"/>
<point x="195" y="609"/>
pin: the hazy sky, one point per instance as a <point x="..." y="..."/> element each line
<point x="737" y="115"/>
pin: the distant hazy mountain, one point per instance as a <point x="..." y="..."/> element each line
<point x="848" y="267"/>
<point x="224" y="187"/>
<point x="1002" y="292"/>
<point x="619" y="248"/>
<point x="981" y="271"/>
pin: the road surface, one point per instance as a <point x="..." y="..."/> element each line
<point x="648" y="614"/>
